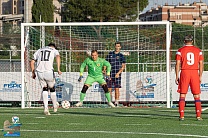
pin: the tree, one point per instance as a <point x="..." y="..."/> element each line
<point x="43" y="9"/>
<point x="102" y="10"/>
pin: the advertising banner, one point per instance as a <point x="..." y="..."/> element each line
<point x="146" y="86"/>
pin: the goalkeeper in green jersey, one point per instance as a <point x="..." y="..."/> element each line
<point x="95" y="74"/>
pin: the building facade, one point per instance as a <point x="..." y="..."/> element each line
<point x="17" y="11"/>
<point x="195" y="13"/>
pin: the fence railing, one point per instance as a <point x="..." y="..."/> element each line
<point x="10" y="61"/>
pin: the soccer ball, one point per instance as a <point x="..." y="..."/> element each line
<point x="65" y="104"/>
<point x="15" y="119"/>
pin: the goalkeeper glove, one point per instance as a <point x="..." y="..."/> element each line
<point x="107" y="77"/>
<point x="80" y="78"/>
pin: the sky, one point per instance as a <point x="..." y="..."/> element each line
<point x="153" y="3"/>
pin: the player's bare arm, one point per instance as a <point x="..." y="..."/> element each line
<point x="177" y="69"/>
<point x="201" y="69"/>
<point x="121" y="70"/>
<point x="32" y="65"/>
<point x="58" y="61"/>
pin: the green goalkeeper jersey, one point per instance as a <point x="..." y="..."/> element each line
<point x="95" y="67"/>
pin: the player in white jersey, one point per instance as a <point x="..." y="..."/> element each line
<point x="44" y="58"/>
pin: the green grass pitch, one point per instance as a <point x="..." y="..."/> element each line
<point x="107" y="123"/>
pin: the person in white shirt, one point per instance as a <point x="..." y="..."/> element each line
<point x="44" y="58"/>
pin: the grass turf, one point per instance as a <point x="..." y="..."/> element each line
<point x="107" y="122"/>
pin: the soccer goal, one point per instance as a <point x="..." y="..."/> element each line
<point x="146" y="46"/>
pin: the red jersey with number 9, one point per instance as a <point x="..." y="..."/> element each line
<point x="189" y="56"/>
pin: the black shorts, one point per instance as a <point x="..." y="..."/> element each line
<point x="114" y="83"/>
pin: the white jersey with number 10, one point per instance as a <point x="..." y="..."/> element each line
<point x="44" y="58"/>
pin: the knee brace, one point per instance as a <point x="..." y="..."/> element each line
<point x="52" y="89"/>
<point x="84" y="89"/>
<point x="105" y="88"/>
<point x="45" y="88"/>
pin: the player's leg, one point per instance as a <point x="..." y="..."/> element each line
<point x="109" y="84"/>
<point x="44" y="92"/>
<point x="45" y="100"/>
<point x="195" y="88"/>
<point x="89" y="81"/>
<point x="102" y="82"/>
<point x="116" y="96"/>
<point x="181" y="106"/>
<point x="182" y="89"/>
<point x="117" y="93"/>
<point x="50" y="79"/>
<point x="198" y="108"/>
<point x="82" y="95"/>
<point x="107" y="95"/>
<point x="110" y="91"/>
<point x="53" y="98"/>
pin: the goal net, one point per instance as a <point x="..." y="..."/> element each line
<point x="145" y="45"/>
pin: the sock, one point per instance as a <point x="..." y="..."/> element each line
<point x="54" y="99"/>
<point x="198" y="107"/>
<point x="108" y="97"/>
<point x="111" y="96"/>
<point x="45" y="99"/>
<point x="116" y="101"/>
<point x="181" y="105"/>
<point x="82" y="96"/>
<point x="116" y="95"/>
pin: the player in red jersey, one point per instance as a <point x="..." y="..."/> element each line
<point x="189" y="62"/>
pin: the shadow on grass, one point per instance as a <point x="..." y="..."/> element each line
<point x="151" y="114"/>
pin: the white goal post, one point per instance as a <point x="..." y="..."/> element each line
<point x="146" y="46"/>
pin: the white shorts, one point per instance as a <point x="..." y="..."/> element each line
<point x="46" y="79"/>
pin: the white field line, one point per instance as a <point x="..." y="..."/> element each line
<point x="138" y="124"/>
<point x="74" y="115"/>
<point x="194" y="125"/>
<point x="31" y="123"/>
<point x="204" y="109"/>
<point x="176" y="110"/>
<point x="198" y="125"/>
<point x="114" y="132"/>
<point x="40" y="117"/>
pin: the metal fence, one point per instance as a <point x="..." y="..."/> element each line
<point x="10" y="45"/>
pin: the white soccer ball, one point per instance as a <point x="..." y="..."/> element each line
<point x="65" y="104"/>
<point x="15" y="119"/>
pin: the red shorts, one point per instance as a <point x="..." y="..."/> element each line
<point x="189" y="78"/>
